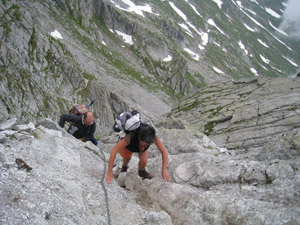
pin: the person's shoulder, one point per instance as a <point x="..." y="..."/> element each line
<point x="79" y="117"/>
<point x="73" y="117"/>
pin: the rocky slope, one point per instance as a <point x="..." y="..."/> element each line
<point x="257" y="117"/>
<point x="48" y="177"/>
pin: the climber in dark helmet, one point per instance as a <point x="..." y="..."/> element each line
<point x="82" y="126"/>
<point x="138" y="141"/>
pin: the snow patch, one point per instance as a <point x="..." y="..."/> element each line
<point x="204" y="37"/>
<point x="178" y="11"/>
<point x="194" y="8"/>
<point x="168" y="58"/>
<point x="56" y="34"/>
<point x="218" y="70"/>
<point x="200" y="47"/>
<point x="290" y="61"/>
<point x="132" y="7"/>
<point x="249" y="28"/>
<point x="252" y="12"/>
<point x="126" y="38"/>
<point x="254" y="1"/>
<point x="281" y="41"/>
<point x="276" y="69"/>
<point x="192" y="54"/>
<point x="264" y="59"/>
<point x="219" y="3"/>
<point x="212" y="23"/>
<point x="254" y="71"/>
<point x="278" y="30"/>
<point x="186" y="28"/>
<point x="272" y="13"/>
<point x="263" y="43"/>
<point x="242" y="46"/>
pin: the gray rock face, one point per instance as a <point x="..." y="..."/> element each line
<point x="258" y="117"/>
<point x="50" y="177"/>
<point x="8" y="124"/>
<point x="209" y="186"/>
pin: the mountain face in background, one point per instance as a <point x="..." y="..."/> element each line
<point x="138" y="54"/>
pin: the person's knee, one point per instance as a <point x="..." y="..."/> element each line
<point x="143" y="161"/>
<point x="127" y="158"/>
<point x="143" y="155"/>
<point x="125" y="154"/>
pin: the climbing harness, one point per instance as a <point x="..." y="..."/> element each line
<point x="104" y="189"/>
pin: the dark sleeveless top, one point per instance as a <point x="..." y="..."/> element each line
<point x="134" y="141"/>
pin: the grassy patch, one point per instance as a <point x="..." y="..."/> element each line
<point x="61" y="103"/>
<point x="32" y="43"/>
<point x="84" y="93"/>
<point x="101" y="25"/>
<point x="74" y="15"/>
<point x="25" y="74"/>
<point x="88" y="76"/>
<point x="188" y="107"/>
<point x="35" y="135"/>
<point x="208" y="128"/>
<point x="269" y="180"/>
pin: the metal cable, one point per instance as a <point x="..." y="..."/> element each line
<point x="104" y="189"/>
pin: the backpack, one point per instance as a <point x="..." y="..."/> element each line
<point x="80" y="109"/>
<point x="127" y="121"/>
